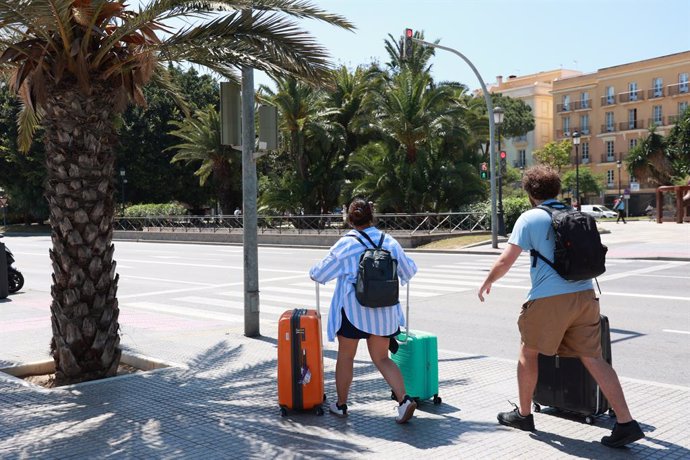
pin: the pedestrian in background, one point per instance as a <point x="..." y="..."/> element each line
<point x="619" y="206"/>
<point x="559" y="317"/>
<point x="349" y="321"/>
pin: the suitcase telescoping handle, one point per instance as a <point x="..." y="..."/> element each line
<point x="407" y="313"/>
<point x="318" y="300"/>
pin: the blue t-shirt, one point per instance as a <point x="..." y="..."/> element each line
<point x="533" y="231"/>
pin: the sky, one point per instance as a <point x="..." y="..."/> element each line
<point x="509" y="37"/>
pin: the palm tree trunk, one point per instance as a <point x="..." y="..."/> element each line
<point x="79" y="141"/>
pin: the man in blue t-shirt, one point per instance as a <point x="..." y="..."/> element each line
<point x="559" y="317"/>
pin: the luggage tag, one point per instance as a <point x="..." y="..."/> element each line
<point x="305" y="377"/>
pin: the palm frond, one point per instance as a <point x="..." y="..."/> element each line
<point x="27" y="122"/>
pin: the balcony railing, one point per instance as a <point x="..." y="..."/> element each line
<point x="673" y="119"/>
<point x="584" y="160"/>
<point x="631" y="124"/>
<point x="564" y="107"/>
<point x="656" y="122"/>
<point x="631" y="96"/>
<point x="611" y="157"/>
<point x="655" y="92"/>
<point x="678" y="88"/>
<point x="582" y="105"/>
<point x="608" y="128"/>
<point x="608" y="100"/>
<point x="560" y="134"/>
<point x="584" y="130"/>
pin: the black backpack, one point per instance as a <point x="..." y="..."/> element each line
<point x="377" y="275"/>
<point x="578" y="254"/>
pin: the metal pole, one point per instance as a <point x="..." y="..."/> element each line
<point x="492" y="155"/>
<point x="577" y="176"/>
<point x="501" y="221"/>
<point x="249" y="190"/>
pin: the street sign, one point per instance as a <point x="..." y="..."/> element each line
<point x="626" y="193"/>
<point x="635" y="186"/>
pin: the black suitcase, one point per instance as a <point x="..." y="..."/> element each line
<point x="565" y="384"/>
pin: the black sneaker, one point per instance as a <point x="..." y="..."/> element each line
<point x="514" y="419"/>
<point x="623" y="434"/>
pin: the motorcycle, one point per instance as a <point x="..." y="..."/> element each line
<point x="15" y="280"/>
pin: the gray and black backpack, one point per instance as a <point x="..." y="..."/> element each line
<point x="377" y="275"/>
<point x="578" y="254"/>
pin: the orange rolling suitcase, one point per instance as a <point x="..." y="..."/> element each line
<point x="300" y="360"/>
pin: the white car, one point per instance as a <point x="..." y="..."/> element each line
<point x="598" y="211"/>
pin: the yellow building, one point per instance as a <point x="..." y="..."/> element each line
<point x="613" y="109"/>
<point x="535" y="91"/>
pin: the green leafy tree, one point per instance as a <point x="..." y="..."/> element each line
<point x="589" y="184"/>
<point x="648" y="160"/>
<point x="77" y="64"/>
<point x="555" y="154"/>
<point x="678" y="148"/>
<point x="201" y="143"/>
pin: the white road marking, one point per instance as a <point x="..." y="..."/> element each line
<point x="674" y="331"/>
<point x="646" y="296"/>
<point x="185" y="311"/>
<point x="654" y="268"/>
<point x="226" y="303"/>
<point x="165" y="280"/>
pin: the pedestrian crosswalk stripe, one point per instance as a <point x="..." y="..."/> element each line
<point x="329" y="288"/>
<point x="185" y="311"/>
<point x="227" y="303"/>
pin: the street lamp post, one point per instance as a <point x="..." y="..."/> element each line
<point x="498" y="120"/>
<point x="576" y="143"/>
<point x="124" y="181"/>
<point x="618" y="165"/>
<point x="490" y="109"/>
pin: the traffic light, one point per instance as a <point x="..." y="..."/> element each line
<point x="503" y="160"/>
<point x="484" y="171"/>
<point x="407" y="45"/>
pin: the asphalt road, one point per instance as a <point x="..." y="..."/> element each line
<point x="647" y="301"/>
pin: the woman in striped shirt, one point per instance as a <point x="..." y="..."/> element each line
<point x="350" y="321"/>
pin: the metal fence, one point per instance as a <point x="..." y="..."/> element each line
<point x="427" y="223"/>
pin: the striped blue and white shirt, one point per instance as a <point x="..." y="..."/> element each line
<point x="341" y="263"/>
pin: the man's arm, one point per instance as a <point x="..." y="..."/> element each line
<point x="500" y="268"/>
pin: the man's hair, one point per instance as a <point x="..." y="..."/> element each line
<point x="541" y="182"/>
<point x="359" y="212"/>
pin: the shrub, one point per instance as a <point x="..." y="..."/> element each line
<point x="155" y="210"/>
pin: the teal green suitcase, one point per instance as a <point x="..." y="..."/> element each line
<point x="417" y="358"/>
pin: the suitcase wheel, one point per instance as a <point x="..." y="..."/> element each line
<point x="536" y="407"/>
<point x="319" y="411"/>
<point x="324" y="397"/>
<point x="589" y="420"/>
<point x="437" y="400"/>
<point x="393" y="396"/>
<point x="283" y="412"/>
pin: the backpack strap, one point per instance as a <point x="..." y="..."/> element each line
<point x="358" y="239"/>
<point x="549" y="208"/>
<point x="368" y="238"/>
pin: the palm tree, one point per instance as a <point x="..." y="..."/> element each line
<point x="200" y="136"/>
<point x="77" y="64"/>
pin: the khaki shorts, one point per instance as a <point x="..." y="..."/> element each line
<point x="565" y="324"/>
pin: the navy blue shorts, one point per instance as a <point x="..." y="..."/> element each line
<point x="349" y="331"/>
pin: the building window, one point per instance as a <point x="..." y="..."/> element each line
<point x="584" y="100"/>
<point x="566" y="126"/>
<point x="609" y="122"/>
<point x="609" y="177"/>
<point x="632" y="118"/>
<point x="610" y="154"/>
<point x="632" y="91"/>
<point x="658" y="87"/>
<point x="632" y="144"/>
<point x="566" y="103"/>
<point x="584" y="124"/>
<point x="683" y="82"/>
<point x="682" y="107"/>
<point x="657" y="116"/>
<point x="522" y="158"/>
<point x="585" y="152"/>
<point x="610" y="95"/>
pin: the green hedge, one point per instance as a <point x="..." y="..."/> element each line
<point x="513" y="206"/>
<point x="153" y="210"/>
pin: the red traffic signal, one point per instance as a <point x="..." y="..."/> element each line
<point x="407" y="45"/>
<point x="503" y="154"/>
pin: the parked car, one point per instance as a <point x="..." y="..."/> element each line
<point x="598" y="211"/>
